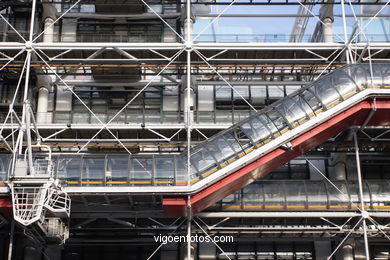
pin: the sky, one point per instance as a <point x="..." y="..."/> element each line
<point x="281" y="26"/>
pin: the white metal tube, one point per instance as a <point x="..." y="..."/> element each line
<point x="347" y="252"/>
<point x="11" y="240"/>
<point x="360" y="181"/>
<point x="48" y="35"/>
<point x="327" y="30"/>
<point x="43" y="101"/>
<point x="345" y="30"/>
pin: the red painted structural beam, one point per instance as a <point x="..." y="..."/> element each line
<point x="177" y="205"/>
<point x="6" y="207"/>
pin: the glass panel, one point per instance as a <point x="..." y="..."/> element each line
<point x="386" y="75"/>
<point x="380" y="194"/>
<point x="258" y="132"/>
<point x="274" y="196"/>
<point x="224" y="117"/>
<point x="69" y="169"/>
<point x="181" y="170"/>
<point x="248" y="130"/>
<point x="344" y="85"/>
<point x="93" y="171"/>
<point x="317" y="197"/>
<point x="295" y="195"/>
<point x="203" y="161"/>
<point x="375" y="78"/>
<point x="240" y="115"/>
<point x="80" y="118"/>
<point x="358" y="74"/>
<point x="206" y="117"/>
<point x="312" y="101"/>
<point x="325" y="91"/>
<point x="141" y="171"/>
<point x="291" y="110"/>
<point x="117" y="170"/>
<point x="338" y="198"/>
<point x="4" y="161"/>
<point x="278" y="121"/>
<point x="213" y="148"/>
<point x="232" y="202"/>
<point x="243" y="139"/>
<point x="226" y="150"/>
<point x="353" y="188"/>
<point x="165" y="174"/>
<point x="267" y="121"/>
<point x="253" y="197"/>
<point x="302" y="104"/>
<point x="232" y="142"/>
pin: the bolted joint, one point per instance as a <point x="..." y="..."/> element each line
<point x="188" y="46"/>
<point x="29" y="45"/>
<point x="365" y="214"/>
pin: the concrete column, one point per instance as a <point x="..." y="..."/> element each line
<point x="327" y="30"/>
<point x="43" y="102"/>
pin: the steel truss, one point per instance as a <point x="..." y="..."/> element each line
<point x="173" y="62"/>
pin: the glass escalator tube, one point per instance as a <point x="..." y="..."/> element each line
<point x="273" y="121"/>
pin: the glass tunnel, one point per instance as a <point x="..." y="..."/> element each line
<point x="307" y="196"/>
<point x="223" y="148"/>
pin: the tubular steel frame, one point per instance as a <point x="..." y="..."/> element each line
<point x="354" y="52"/>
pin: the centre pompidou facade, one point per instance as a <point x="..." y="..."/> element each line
<point x="263" y="121"/>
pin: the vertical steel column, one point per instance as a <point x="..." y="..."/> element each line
<point x="26" y="113"/>
<point x="187" y="107"/>
<point x="188" y="44"/>
<point x="360" y="182"/>
<point x="189" y="218"/>
<point x="345" y="31"/>
<point x="11" y="240"/>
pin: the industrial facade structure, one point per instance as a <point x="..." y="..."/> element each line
<point x="123" y="120"/>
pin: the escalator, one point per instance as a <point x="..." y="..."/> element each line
<point x="243" y="153"/>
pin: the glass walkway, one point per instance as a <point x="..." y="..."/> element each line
<point x="225" y="148"/>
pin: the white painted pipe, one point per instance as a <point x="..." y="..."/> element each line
<point x="348" y="252"/>
<point x="45" y="80"/>
<point x="327" y="30"/>
<point x="188" y="29"/>
<point x="340" y="162"/>
<point x="186" y="106"/>
<point x="43" y="101"/>
<point x="48" y="36"/>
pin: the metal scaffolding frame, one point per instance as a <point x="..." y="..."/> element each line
<point x="192" y="57"/>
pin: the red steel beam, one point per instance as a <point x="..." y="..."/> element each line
<point x="6" y="207"/>
<point x="175" y="206"/>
